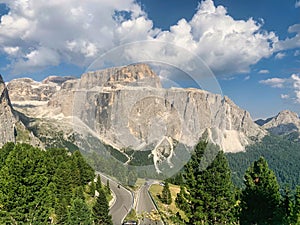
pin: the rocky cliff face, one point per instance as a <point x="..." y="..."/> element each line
<point x="283" y="123"/>
<point x="143" y="116"/>
<point x="7" y="117"/>
<point x="126" y="107"/>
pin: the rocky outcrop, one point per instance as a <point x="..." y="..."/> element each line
<point x="133" y="75"/>
<point x="127" y="107"/>
<point x="12" y="128"/>
<point x="143" y="116"/>
<point x="26" y="89"/>
<point x="7" y="117"/>
<point x="283" y="123"/>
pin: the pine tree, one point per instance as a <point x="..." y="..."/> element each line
<point x="207" y="195"/>
<point x="92" y="188"/>
<point x="79" y="213"/>
<point x="107" y="187"/>
<point x="287" y="206"/>
<point x="296" y="211"/>
<point x="78" y="193"/>
<point x="261" y="198"/>
<point x="101" y="210"/>
<point x="86" y="171"/>
<point x="166" y="194"/>
<point x="61" y="211"/>
<point x="98" y="183"/>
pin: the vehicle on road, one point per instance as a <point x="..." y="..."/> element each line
<point x="130" y="222"/>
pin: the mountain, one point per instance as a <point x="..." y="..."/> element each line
<point x="12" y="129"/>
<point x="126" y="107"/>
<point x="7" y="117"/>
<point x="283" y="123"/>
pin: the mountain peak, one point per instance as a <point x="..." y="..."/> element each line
<point x="131" y="75"/>
<point x="286" y="115"/>
<point x="284" y="122"/>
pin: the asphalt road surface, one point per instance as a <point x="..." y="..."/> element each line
<point x="123" y="202"/>
<point x="145" y="206"/>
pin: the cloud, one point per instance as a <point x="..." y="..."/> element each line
<point x="48" y="33"/>
<point x="274" y="82"/>
<point x="247" y="78"/>
<point x="38" y="34"/>
<point x="263" y="71"/>
<point x="284" y="96"/>
<point x="292" y="83"/>
<point x="297" y="4"/>
<point x="289" y="43"/>
<point x="227" y="45"/>
<point x="280" y="55"/>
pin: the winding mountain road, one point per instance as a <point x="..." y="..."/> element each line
<point x="123" y="200"/>
<point x="146" y="205"/>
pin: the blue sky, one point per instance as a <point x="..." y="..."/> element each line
<point x="252" y="47"/>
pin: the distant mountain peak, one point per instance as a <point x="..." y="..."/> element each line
<point x="287" y="115"/>
<point x="283" y="123"/>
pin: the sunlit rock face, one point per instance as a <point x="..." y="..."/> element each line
<point x="7" y="118"/>
<point x="283" y="123"/>
<point x="127" y="107"/>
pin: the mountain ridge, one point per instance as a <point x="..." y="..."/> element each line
<point x="125" y="92"/>
<point x="284" y="123"/>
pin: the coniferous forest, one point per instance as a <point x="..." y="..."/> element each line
<point x="48" y="187"/>
<point x="208" y="196"/>
<point x="58" y="187"/>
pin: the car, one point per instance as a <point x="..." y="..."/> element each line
<point x="130" y="222"/>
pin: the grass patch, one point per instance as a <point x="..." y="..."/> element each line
<point x="167" y="211"/>
<point x="131" y="216"/>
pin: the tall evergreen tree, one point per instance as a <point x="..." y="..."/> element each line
<point x="107" y="187"/>
<point x="287" y="206"/>
<point x="101" y="210"/>
<point x="261" y="198"/>
<point x="296" y="211"/>
<point x="79" y="213"/>
<point x="166" y="194"/>
<point x="207" y="195"/>
<point x="98" y="183"/>
<point x="92" y="187"/>
<point x="86" y="171"/>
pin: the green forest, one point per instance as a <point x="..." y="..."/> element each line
<point x="208" y="196"/>
<point x="49" y="187"/>
<point x="281" y="153"/>
<point x="57" y="186"/>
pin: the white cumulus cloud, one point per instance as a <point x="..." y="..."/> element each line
<point x="297" y="4"/>
<point x="37" y="34"/>
<point x="263" y="71"/>
<point x="274" y="82"/>
<point x="284" y="96"/>
<point x="290" y="43"/>
<point x="291" y="83"/>
<point x="280" y="55"/>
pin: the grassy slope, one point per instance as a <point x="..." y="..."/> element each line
<point x="166" y="210"/>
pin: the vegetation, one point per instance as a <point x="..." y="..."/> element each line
<point x="260" y="202"/>
<point x="207" y="195"/>
<point x="166" y="194"/>
<point x="281" y="154"/>
<point x="41" y="187"/>
<point x="167" y="212"/>
<point x="101" y="210"/>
